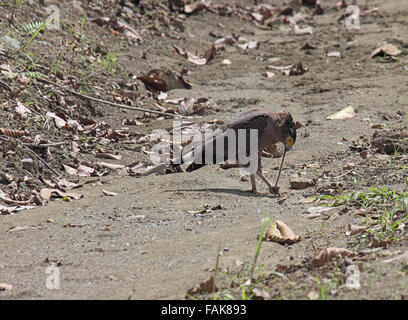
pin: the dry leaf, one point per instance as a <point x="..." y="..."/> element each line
<point x="295" y="70"/>
<point x="334" y="54"/>
<point x="281" y="233"/>
<point x="299" y="31"/>
<point x="23" y="80"/>
<point x="18" y="228"/>
<point x="111" y="156"/>
<point x="206" y="286"/>
<point x="194" y="7"/>
<point x="260" y="294"/>
<point x="70" y="170"/>
<point x="114" y="135"/>
<point x="328" y="254"/>
<point x="249" y="45"/>
<point x="22" y="110"/>
<point x="386" y="49"/>
<point x="164" y="81"/>
<point x="346" y="113"/>
<point x="159" y="169"/>
<point x="63" y="183"/>
<point x="61" y="123"/>
<point x="280" y="68"/>
<point x="109" y="193"/>
<point x="313" y="295"/>
<point x="111" y="166"/>
<point x="6" y="199"/>
<point x="199" y="60"/>
<point x="355" y="229"/>
<point x="47" y="193"/>
<point x="207" y="208"/>
<point x="10" y="210"/>
<point x="119" y="27"/>
<point x="84" y="171"/>
<point x="268" y="74"/>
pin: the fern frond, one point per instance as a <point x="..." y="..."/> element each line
<point x="28" y="74"/>
<point x="30" y="27"/>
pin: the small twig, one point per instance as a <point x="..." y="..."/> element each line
<point x="74" y="82"/>
<point x="344" y="174"/>
<point x="5" y="85"/>
<point x="123" y="106"/>
<point x="36" y="155"/>
<point x="39" y="158"/>
<point x="262" y="27"/>
<point x="45" y="145"/>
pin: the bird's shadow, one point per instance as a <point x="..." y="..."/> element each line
<point x="238" y="192"/>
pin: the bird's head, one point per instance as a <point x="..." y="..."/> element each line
<point x="288" y="133"/>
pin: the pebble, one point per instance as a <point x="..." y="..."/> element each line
<point x="299" y="183"/>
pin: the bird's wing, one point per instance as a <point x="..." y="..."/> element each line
<point x="255" y="119"/>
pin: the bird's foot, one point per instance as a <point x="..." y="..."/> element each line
<point x="274" y="190"/>
<point x="256" y="192"/>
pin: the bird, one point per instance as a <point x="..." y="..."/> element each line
<point x="268" y="129"/>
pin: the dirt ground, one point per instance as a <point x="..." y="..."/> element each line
<point x="142" y="243"/>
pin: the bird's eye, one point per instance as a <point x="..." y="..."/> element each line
<point x="289" y="141"/>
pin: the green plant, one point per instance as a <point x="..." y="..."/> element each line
<point x="81" y="30"/>
<point x="217" y="263"/>
<point x="36" y="32"/>
<point x="374" y="197"/>
<point x="57" y="64"/>
<point x="110" y="62"/>
<point x="265" y="220"/>
<point x="392" y="210"/>
<point x="29" y="74"/>
<point x="30" y="27"/>
<point x="322" y="288"/>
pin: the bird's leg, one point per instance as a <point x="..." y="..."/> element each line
<point x="272" y="188"/>
<point x="253" y="184"/>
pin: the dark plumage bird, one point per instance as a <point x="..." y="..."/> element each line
<point x="270" y="128"/>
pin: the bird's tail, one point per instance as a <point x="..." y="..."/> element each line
<point x="194" y="162"/>
<point x="191" y="167"/>
<point x="197" y="157"/>
<point x="195" y="166"/>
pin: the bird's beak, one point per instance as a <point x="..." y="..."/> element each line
<point x="289" y="143"/>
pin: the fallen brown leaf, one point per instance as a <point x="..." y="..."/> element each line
<point x="111" y="156"/>
<point x="118" y="27"/>
<point x="295" y="70"/>
<point x="386" y="49"/>
<point x="260" y="294"/>
<point x="281" y="233"/>
<point x="355" y="229"/>
<point x="111" y="166"/>
<point x="18" y="228"/>
<point x="47" y="193"/>
<point x="207" y="286"/>
<point x="199" y="60"/>
<point x="194" y="7"/>
<point x="109" y="193"/>
<point x="328" y="254"/>
<point x="164" y="81"/>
